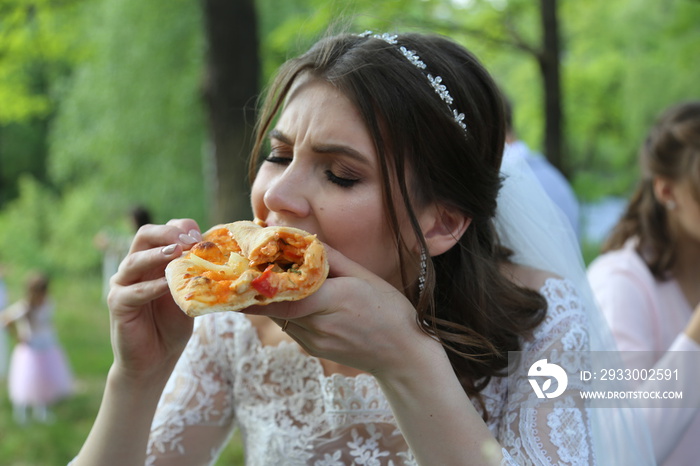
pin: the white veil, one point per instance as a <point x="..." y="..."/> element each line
<point x="540" y="235"/>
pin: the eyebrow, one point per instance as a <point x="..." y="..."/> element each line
<point x="323" y="148"/>
<point x="277" y="134"/>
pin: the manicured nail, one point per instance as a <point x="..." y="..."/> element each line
<point x="195" y="234"/>
<point x="168" y="250"/>
<point x="186" y="239"/>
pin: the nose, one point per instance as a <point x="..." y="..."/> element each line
<point x="288" y="193"/>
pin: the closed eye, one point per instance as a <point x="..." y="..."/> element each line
<point x="278" y="160"/>
<point x="340" y="181"/>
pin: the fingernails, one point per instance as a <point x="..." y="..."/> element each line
<point x="187" y="239"/>
<point x="195" y="234"/>
<point x="168" y="250"/>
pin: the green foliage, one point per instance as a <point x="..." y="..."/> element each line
<point x="41" y="230"/>
<point x="132" y="120"/>
<point x="22" y="151"/>
<point x="37" y="41"/>
<point x="129" y="130"/>
<point x="626" y="62"/>
<point x="38" y="45"/>
<point x="25" y="223"/>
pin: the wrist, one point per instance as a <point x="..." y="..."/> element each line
<point x="124" y="380"/>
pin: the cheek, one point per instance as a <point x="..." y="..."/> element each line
<point x="692" y="222"/>
<point x="257" y="194"/>
<point x="358" y="229"/>
<point x="689" y="217"/>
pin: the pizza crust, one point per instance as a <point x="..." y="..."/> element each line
<point x="241" y="264"/>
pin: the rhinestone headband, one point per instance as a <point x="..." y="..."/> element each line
<point x="435" y="81"/>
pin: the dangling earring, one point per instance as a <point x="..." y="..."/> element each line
<point x="671" y="205"/>
<point x="423" y="270"/>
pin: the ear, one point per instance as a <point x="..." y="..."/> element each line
<point x="442" y="228"/>
<point x="664" y="190"/>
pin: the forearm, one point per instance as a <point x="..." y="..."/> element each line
<point x="435" y="415"/>
<point x="120" y="433"/>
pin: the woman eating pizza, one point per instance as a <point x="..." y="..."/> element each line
<point x="388" y="149"/>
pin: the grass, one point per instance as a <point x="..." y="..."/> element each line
<point x="82" y="324"/>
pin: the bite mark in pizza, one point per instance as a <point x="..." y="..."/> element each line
<point x="241" y="264"/>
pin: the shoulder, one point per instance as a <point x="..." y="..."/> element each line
<point x="620" y="263"/>
<point x="562" y="296"/>
<point x="527" y="277"/>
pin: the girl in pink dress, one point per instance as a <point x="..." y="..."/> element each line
<point x="647" y="281"/>
<point x="39" y="373"/>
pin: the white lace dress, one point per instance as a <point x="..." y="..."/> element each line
<point x="290" y="413"/>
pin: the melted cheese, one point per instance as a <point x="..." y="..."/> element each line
<point x="233" y="268"/>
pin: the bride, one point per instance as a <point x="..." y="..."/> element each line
<point x="438" y="304"/>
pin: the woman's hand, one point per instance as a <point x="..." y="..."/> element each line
<point x="148" y="330"/>
<point x="359" y="320"/>
<point x="355" y="319"/>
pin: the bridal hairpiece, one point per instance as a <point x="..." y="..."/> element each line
<point x="435" y="81"/>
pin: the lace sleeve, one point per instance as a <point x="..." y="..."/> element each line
<point x="557" y="430"/>
<point x="195" y="415"/>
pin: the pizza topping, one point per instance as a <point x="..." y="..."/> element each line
<point x="208" y="251"/>
<point x="270" y="249"/>
<point x="241" y="264"/>
<point x="224" y="238"/>
<point x="219" y="272"/>
<point x="262" y="283"/>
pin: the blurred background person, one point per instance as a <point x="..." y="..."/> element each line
<point x="39" y="374"/>
<point x="115" y="245"/>
<point x="552" y="180"/>
<point x="647" y="280"/>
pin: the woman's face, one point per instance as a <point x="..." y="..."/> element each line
<point x="322" y="175"/>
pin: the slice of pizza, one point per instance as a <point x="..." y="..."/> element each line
<point x="241" y="264"/>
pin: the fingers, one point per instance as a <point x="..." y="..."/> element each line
<point x="185" y="232"/>
<point x="341" y="266"/>
<point x="137" y="294"/>
<point x="153" y="247"/>
<point x="139" y="264"/>
<point x="139" y="279"/>
<point x="279" y="312"/>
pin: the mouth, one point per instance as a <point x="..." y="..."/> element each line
<point x="274" y="223"/>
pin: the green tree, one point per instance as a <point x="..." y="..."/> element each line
<point x="231" y="84"/>
<point x="38" y="46"/>
<point x="129" y="128"/>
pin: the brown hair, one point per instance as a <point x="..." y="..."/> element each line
<point x="671" y="150"/>
<point x="476" y="313"/>
<point x="37" y="286"/>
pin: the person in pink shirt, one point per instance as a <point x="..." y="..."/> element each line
<point x="647" y="281"/>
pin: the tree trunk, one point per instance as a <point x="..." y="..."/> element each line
<point x="230" y="91"/>
<point x="550" y="68"/>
